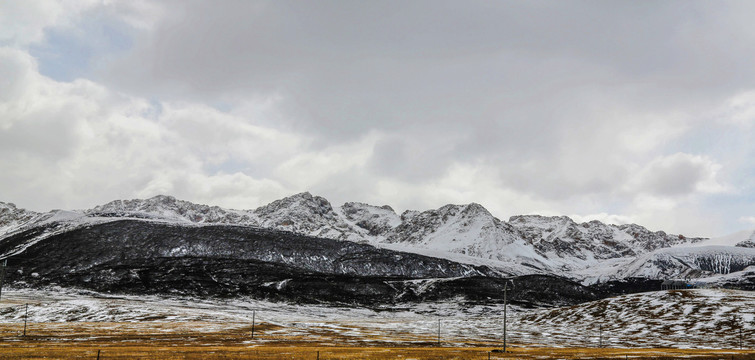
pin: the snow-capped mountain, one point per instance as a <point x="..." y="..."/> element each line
<point x="527" y="244"/>
<point x="169" y="208"/>
<point x="309" y="215"/>
<point x="468" y="230"/>
<point x="377" y="221"/>
<point x="690" y="262"/>
<point x="591" y="250"/>
<point x="745" y="238"/>
<point x="12" y="217"/>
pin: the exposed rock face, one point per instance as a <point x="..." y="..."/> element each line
<point x="468" y="230"/>
<point x="692" y="262"/>
<point x="12" y="217"/>
<point x="376" y="221"/>
<point x="169" y="208"/>
<point x="748" y="240"/>
<point x="642" y="238"/>
<point x="306" y="214"/>
<point x="562" y="237"/>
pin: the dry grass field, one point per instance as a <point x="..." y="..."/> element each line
<point x="663" y="325"/>
<point x="171" y="340"/>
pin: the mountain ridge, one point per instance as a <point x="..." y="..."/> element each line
<point x="525" y="244"/>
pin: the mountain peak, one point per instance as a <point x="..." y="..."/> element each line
<point x="162" y="199"/>
<point x="308" y="214"/>
<point x="376" y="220"/>
<point x="9" y="206"/>
<point x="303" y="201"/>
<point x="541" y="219"/>
<point x="166" y="207"/>
<point x="11" y="216"/>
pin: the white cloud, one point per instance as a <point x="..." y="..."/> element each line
<point x="236" y="191"/>
<point x="24" y="22"/>
<point x="747" y="219"/>
<point x="76" y="143"/>
<point x="347" y="105"/>
<point x="311" y="168"/>
<point x="603" y="217"/>
<point x="677" y="175"/>
<point x="739" y="110"/>
<point x="461" y="183"/>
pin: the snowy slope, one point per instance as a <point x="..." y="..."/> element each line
<point x="377" y="221"/>
<point x="690" y="262"/>
<point x="12" y="217"/>
<point x="682" y="318"/>
<point x="310" y="215"/>
<point x="744" y="238"/>
<point x="572" y="246"/>
<point x="468" y="230"/>
<point x="591" y="251"/>
<point x="669" y="319"/>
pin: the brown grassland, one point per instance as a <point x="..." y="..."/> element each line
<point x="182" y="340"/>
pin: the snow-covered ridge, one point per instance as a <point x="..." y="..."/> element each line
<point x="467" y="233"/>
<point x="169" y="208"/>
<point x="691" y="262"/>
<point x="745" y="238"/>
<point x="12" y="217"/>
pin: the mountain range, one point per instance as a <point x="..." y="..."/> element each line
<point x="307" y="233"/>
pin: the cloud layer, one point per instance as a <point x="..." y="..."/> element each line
<point x="638" y="112"/>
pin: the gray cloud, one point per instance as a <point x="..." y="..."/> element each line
<point x="512" y="82"/>
<point x="570" y="107"/>
<point x="679" y="174"/>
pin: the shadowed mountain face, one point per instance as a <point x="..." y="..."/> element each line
<point x="143" y="257"/>
<point x="125" y="241"/>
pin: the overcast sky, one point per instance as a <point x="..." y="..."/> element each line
<point x="621" y="111"/>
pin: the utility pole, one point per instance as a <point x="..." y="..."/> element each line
<point x="601" y="335"/>
<point x="25" y="317"/>
<point x="2" y="276"/>
<point x="438" y="332"/>
<point x="253" y="313"/>
<point x="505" y="306"/>
<point x="740" y="337"/>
